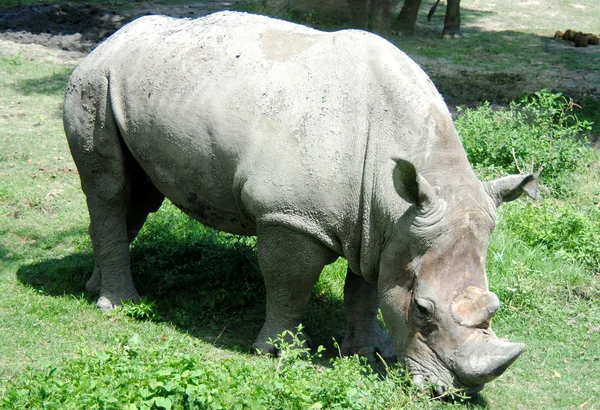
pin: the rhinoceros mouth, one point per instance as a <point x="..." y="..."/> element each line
<point x="437" y="377"/>
<point x="432" y="375"/>
<point x="439" y="388"/>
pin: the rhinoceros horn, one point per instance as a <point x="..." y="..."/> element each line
<point x="483" y="357"/>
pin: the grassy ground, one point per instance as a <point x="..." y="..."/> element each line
<point x="58" y="351"/>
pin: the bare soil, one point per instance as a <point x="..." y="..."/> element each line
<point x="67" y="27"/>
<point x="80" y="27"/>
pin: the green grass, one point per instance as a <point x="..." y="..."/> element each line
<point x="553" y="307"/>
<point x="204" y="299"/>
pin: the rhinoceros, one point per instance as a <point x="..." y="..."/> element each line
<point x="320" y="144"/>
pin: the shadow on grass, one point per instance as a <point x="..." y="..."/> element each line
<point x="49" y="85"/>
<point x="53" y="84"/>
<point x="58" y="277"/>
<point x="187" y="298"/>
<point x="501" y="66"/>
<point x="203" y="282"/>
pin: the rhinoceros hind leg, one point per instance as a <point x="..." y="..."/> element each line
<point x="364" y="336"/>
<point x="143" y="199"/>
<point x="107" y="171"/>
<point x="290" y="262"/>
<point x="108" y="230"/>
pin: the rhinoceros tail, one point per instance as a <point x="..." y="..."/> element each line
<point x="432" y="10"/>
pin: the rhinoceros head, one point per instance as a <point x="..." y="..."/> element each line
<point x="433" y="287"/>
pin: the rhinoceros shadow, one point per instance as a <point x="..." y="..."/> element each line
<point x="203" y="282"/>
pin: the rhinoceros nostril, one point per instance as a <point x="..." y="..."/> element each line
<point x="439" y="390"/>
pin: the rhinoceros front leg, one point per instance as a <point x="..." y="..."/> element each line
<point x="364" y="336"/>
<point x="290" y="262"/>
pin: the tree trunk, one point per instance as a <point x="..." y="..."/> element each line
<point x="357" y="13"/>
<point x="452" y="20"/>
<point x="380" y="17"/>
<point x="405" y="24"/>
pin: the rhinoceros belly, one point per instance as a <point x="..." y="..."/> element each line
<point x="201" y="185"/>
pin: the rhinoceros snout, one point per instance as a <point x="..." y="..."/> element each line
<point x="479" y="360"/>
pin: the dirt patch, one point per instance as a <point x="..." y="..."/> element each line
<point x="81" y="27"/>
<point x="68" y="27"/>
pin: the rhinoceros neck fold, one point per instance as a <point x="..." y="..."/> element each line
<point x="367" y="260"/>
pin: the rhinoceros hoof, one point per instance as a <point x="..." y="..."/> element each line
<point x="374" y="344"/>
<point x="105" y="305"/>
<point x="372" y="354"/>
<point x="263" y="348"/>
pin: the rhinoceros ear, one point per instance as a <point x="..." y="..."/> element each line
<point x="509" y="188"/>
<point x="411" y="186"/>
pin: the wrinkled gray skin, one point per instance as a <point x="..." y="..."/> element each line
<point x="321" y="145"/>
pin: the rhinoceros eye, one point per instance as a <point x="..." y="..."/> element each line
<point x="424" y="306"/>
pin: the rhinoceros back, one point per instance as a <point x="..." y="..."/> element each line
<point x="236" y="117"/>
